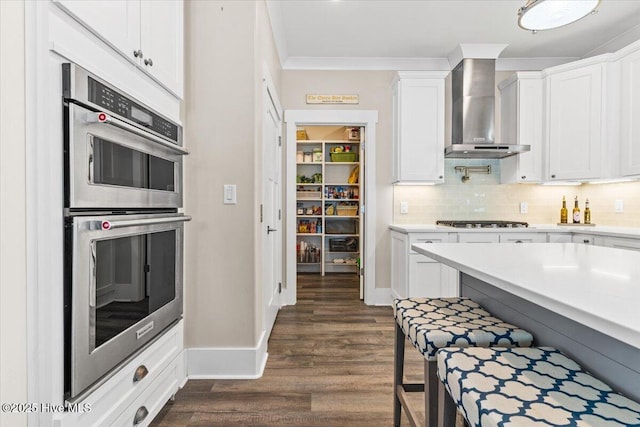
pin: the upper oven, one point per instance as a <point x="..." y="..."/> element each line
<point x="119" y="154"/>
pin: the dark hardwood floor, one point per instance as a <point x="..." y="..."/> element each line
<point x="330" y="364"/>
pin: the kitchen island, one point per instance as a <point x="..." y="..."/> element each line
<point x="581" y="299"/>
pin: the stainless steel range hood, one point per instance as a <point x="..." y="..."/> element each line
<point x="473" y="106"/>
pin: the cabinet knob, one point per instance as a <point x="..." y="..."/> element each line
<point x="137" y="53"/>
<point x="523" y="177"/>
<point x="440" y="177"/>
<point x="585" y="241"/>
<point x="141" y="414"/>
<point x="148" y="62"/>
<point x="519" y="241"/>
<point x="553" y="176"/>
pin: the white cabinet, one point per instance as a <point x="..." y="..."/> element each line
<point x="523" y="238"/>
<point x="159" y="371"/>
<point x="521" y="112"/>
<point x="479" y="238"/>
<point x="621" y="243"/>
<point x="559" y="237"/>
<point x="415" y="275"/>
<point x="148" y="33"/>
<point x="630" y="111"/>
<point x="575" y="122"/>
<point x="418" y="127"/>
<point x="587" y="239"/>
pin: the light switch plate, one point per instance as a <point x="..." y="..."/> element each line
<point x="229" y="194"/>
<point x="404" y="207"/>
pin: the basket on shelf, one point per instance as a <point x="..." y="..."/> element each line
<point x="308" y="194"/>
<point x="346" y="210"/>
<point x="344" y="157"/>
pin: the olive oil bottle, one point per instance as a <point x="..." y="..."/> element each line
<point x="564" y="212"/>
<point x="587" y="212"/>
<point x="576" y="212"/>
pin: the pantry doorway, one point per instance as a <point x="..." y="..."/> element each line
<point x="330" y="209"/>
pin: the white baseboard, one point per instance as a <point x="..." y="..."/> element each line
<point x="226" y="362"/>
<point x="379" y="296"/>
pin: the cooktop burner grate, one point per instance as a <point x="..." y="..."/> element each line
<point x="482" y="224"/>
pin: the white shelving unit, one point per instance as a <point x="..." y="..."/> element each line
<point x="328" y="220"/>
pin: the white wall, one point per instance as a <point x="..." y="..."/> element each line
<point x="13" y="322"/>
<point x="374" y="90"/>
<point x="227" y="44"/>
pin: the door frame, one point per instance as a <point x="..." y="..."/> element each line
<point x="270" y="95"/>
<point x="368" y="119"/>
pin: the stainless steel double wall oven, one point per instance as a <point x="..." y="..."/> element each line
<point x="123" y="232"/>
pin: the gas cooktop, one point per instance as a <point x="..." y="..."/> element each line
<point x="482" y="224"/>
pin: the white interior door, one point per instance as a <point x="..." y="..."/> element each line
<point x="271" y="211"/>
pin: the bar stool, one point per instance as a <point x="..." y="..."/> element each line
<point x="434" y="323"/>
<point x="526" y="387"/>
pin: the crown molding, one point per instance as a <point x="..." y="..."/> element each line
<point x="365" y="63"/>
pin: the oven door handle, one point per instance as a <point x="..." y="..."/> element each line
<point x="94" y="278"/>
<point x="108" y="225"/>
<point x="103" y="117"/>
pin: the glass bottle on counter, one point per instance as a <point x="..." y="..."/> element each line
<point x="564" y="212"/>
<point x="587" y="212"/>
<point x="576" y="212"/>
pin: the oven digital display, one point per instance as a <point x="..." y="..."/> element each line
<point x="141" y="116"/>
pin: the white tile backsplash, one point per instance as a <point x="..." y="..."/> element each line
<point x="483" y="197"/>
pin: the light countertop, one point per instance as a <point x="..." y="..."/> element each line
<point x="593" y="285"/>
<point x="628" y="232"/>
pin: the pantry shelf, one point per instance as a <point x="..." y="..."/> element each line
<point x="330" y="192"/>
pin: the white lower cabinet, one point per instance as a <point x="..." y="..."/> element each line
<point x="587" y="239"/>
<point x="116" y="401"/>
<point x="523" y="238"/>
<point x="620" y="243"/>
<point x="415" y="275"/>
<point x="478" y="238"/>
<point x="429" y="278"/>
<point x="559" y="237"/>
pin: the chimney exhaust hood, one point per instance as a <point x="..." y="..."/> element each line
<point x="473" y="107"/>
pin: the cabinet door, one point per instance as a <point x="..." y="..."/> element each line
<point x="419" y="130"/>
<point x="425" y="277"/>
<point x="630" y="114"/>
<point x="621" y="243"/>
<point x="521" y="109"/>
<point x="587" y="239"/>
<point x="399" y="264"/>
<point x="162" y="32"/>
<point x="575" y="123"/>
<point x="115" y="22"/>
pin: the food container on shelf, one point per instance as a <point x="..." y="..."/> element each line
<point x="317" y="154"/>
<point x="307" y="157"/>
<point x="299" y="156"/>
<point x="344" y="157"/>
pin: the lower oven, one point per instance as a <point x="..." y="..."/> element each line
<point x="123" y="286"/>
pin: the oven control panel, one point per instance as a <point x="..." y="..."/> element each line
<point x="111" y="100"/>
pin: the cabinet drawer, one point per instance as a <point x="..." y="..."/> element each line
<point x="427" y="238"/>
<point x="479" y="238"/>
<point x="523" y="238"/>
<point x="147" y="405"/>
<point x="111" y="398"/>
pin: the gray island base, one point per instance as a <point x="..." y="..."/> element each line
<point x="576" y="310"/>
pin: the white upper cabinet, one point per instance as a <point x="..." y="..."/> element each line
<point x="630" y="111"/>
<point x="575" y="122"/>
<point x="521" y="111"/>
<point x="418" y="127"/>
<point x="148" y="33"/>
<point x="161" y="41"/>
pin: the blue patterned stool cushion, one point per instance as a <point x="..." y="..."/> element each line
<point x="530" y="387"/>
<point x="434" y="323"/>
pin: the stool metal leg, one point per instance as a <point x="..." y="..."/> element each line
<point x="431" y="393"/>
<point x="398" y="373"/>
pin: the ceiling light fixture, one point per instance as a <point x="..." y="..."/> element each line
<point x="539" y="15"/>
